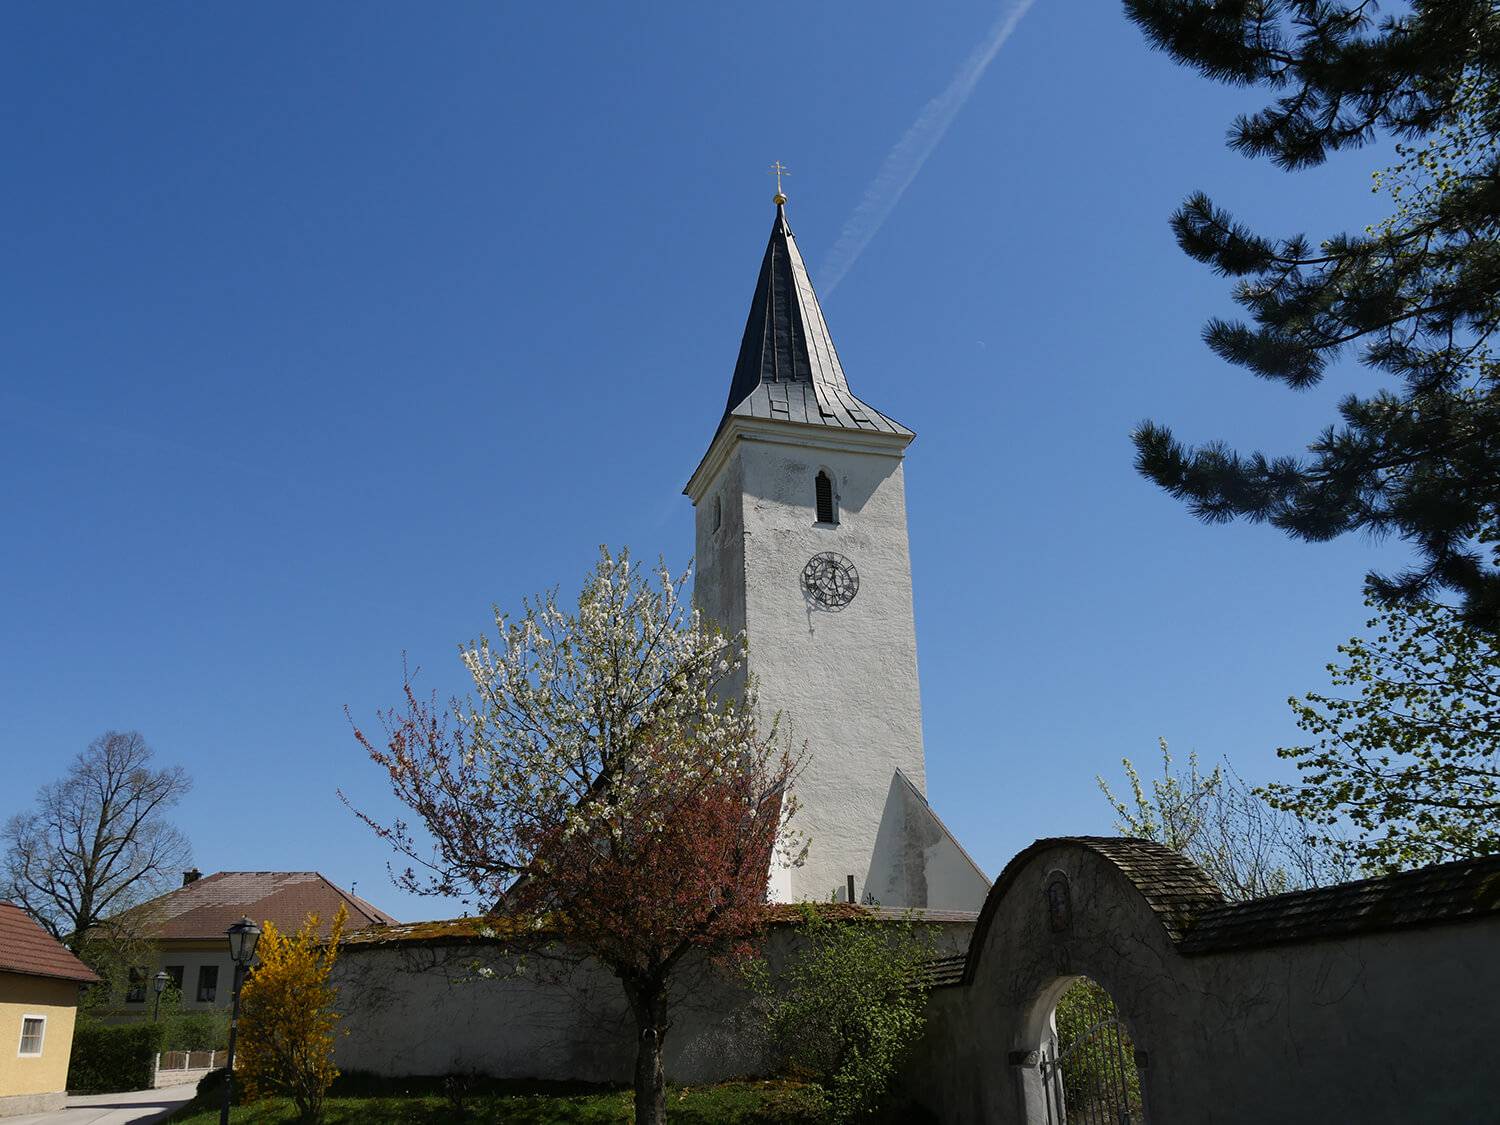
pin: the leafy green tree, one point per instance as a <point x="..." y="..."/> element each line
<point x="121" y="950"/>
<point x="1411" y="758"/>
<point x="1248" y="847"/>
<point x="1417" y="296"/>
<point x="194" y="1030"/>
<point x="848" y="1004"/>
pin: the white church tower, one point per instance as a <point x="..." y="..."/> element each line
<point x="801" y="543"/>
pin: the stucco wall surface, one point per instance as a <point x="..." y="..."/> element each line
<point x="57" y="1001"/>
<point x="843" y="681"/>
<point x="1392" y="1027"/>
<point x="917" y="860"/>
<point x="464" y="1009"/>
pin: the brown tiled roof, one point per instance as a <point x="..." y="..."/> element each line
<point x="28" y="949"/>
<point x="204" y="909"/>
<point x="1447" y="892"/>
<point x="470" y="931"/>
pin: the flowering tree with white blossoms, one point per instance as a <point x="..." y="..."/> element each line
<point x="605" y="784"/>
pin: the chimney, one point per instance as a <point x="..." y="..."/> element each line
<point x="191" y="875"/>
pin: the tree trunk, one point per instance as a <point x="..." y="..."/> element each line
<point x="648" y="1000"/>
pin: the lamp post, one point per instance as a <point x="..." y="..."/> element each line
<point x="242" y="938"/>
<point x="159" y="982"/>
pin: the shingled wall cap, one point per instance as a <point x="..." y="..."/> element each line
<point x="1193" y="913"/>
<point x="788" y="369"/>
<point x="1175" y="888"/>
<point x="1461" y="890"/>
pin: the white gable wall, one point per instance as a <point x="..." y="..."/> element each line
<point x="917" y="860"/>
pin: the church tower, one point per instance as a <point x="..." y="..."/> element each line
<point x="801" y="543"/>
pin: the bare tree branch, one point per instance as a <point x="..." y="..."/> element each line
<point x="97" y="842"/>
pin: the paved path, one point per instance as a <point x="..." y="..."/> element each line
<point x="112" y="1109"/>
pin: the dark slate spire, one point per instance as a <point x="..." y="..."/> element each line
<point x="788" y="369"/>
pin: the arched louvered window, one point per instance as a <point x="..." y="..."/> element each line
<point x="827" y="511"/>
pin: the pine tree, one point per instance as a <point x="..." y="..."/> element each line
<point x="1418" y="296"/>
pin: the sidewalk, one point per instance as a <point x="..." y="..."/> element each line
<point x="112" y="1109"/>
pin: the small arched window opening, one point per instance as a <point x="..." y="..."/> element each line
<point x="827" y="509"/>
<point x="718" y="512"/>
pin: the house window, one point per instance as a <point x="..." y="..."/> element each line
<point x="718" y="513"/>
<point x="135" y="990"/>
<point x="208" y="983"/>
<point x="33" y="1030"/>
<point x="827" y="511"/>
<point x="175" y="972"/>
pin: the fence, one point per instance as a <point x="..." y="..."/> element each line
<point x="176" y="1068"/>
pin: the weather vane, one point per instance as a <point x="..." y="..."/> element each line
<point x="781" y="170"/>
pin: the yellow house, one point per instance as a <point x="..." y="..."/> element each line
<point x="39" y="983"/>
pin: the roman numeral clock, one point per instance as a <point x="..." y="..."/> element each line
<point x="830" y="580"/>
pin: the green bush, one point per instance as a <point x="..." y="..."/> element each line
<point x="402" y="1101"/>
<point x="847" y="1006"/>
<point x="210" y="1089"/>
<point x="107" y="1059"/>
<point x="196" y="1031"/>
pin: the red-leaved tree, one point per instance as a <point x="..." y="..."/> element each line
<point x="605" y="784"/>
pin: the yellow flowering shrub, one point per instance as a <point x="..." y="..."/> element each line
<point x="287" y="1020"/>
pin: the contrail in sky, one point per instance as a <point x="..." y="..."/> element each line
<point x="904" y="161"/>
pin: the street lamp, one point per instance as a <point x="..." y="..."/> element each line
<point x="242" y="938"/>
<point x="159" y="982"/>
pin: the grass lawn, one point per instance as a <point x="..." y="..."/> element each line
<point x="732" y="1103"/>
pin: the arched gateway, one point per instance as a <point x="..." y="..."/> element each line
<point x="1098" y="909"/>
<point x="1370" y="1001"/>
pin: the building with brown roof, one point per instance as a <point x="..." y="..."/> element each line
<point x="188" y="926"/>
<point x="39" y="985"/>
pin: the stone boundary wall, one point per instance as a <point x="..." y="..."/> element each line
<point x="430" y="1001"/>
<point x="166" y="1078"/>
<point x="1373" y="1002"/>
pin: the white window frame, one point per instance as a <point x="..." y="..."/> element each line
<point x="21" y="1052"/>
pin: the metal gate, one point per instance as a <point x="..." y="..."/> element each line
<point x="1089" y="1074"/>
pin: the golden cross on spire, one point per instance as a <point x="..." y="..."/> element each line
<point x="781" y="170"/>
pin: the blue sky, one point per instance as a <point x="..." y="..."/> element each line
<point x="323" y="328"/>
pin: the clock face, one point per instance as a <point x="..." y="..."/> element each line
<point x="830" y="580"/>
